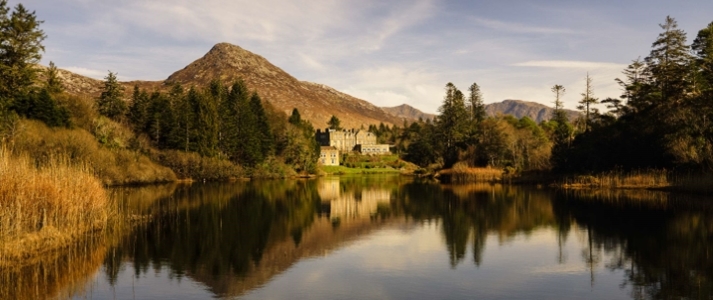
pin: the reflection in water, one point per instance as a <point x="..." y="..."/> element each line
<point x="233" y="240"/>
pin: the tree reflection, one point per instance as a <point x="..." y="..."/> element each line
<point x="663" y="245"/>
<point x="251" y="231"/>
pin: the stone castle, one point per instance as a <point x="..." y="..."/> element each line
<point x="351" y="140"/>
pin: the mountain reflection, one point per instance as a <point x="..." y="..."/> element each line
<point x="234" y="238"/>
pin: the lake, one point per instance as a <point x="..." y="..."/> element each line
<point x="384" y="237"/>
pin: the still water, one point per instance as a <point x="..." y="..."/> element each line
<point x="386" y="237"/>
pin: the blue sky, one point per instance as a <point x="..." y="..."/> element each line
<point x="385" y="52"/>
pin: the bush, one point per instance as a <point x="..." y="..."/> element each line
<point x="190" y="165"/>
<point x="112" y="166"/>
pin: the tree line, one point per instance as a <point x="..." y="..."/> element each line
<point x="228" y="122"/>
<point x="663" y="117"/>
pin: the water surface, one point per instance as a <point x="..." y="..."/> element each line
<point x="386" y="237"/>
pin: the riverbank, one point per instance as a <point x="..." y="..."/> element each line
<point x="44" y="209"/>
<point x="697" y="183"/>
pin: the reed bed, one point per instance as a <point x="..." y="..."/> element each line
<point x="44" y="209"/>
<point x="701" y="183"/>
<point x="463" y="174"/>
<point x="58" y="275"/>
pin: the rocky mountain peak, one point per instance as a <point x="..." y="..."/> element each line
<point x="227" y="62"/>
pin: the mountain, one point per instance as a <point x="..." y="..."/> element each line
<point x="405" y="111"/>
<point x="518" y="108"/>
<point x="316" y="102"/>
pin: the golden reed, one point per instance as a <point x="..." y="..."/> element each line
<point x="44" y="209"/>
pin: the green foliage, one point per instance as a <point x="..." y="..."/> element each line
<point x="587" y="101"/>
<point x="452" y="125"/>
<point x="295" y="118"/>
<point x="334" y="123"/>
<point x="110" y="102"/>
<point x="665" y="119"/>
<point x="42" y="106"/>
<point x="476" y="107"/>
<point x="20" y="49"/>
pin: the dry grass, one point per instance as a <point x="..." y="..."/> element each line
<point x="110" y="162"/>
<point x="190" y="165"/>
<point x="460" y="173"/>
<point x="61" y="275"/>
<point x="651" y="179"/>
<point x="637" y="179"/>
<point x="47" y="208"/>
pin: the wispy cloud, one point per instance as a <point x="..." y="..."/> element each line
<point x="96" y="74"/>
<point x="570" y="64"/>
<point x="520" y="28"/>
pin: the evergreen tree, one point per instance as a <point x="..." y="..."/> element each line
<point x="703" y="49"/>
<point x="160" y="119"/>
<point x="295" y="118"/>
<point x="264" y="132"/>
<point x="588" y="99"/>
<point x="334" y="123"/>
<point x="635" y="86"/>
<point x="207" y="123"/>
<point x="109" y="103"/>
<point x="53" y="83"/>
<point x="452" y="125"/>
<point x="20" y="49"/>
<point x="475" y="104"/>
<point x="668" y="64"/>
<point x="230" y="114"/>
<point x="563" y="130"/>
<point x="138" y="110"/>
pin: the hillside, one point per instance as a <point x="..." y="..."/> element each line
<point x="410" y="113"/>
<point x="316" y="102"/>
<point x="518" y="108"/>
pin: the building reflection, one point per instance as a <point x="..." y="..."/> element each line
<point x="347" y="204"/>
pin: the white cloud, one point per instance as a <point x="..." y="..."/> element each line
<point x="520" y="28"/>
<point x="568" y="64"/>
<point x="96" y="74"/>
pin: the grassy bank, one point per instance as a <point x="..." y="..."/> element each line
<point x="42" y="209"/>
<point x="107" y="152"/>
<point x="342" y="170"/>
<point x="651" y="179"/>
<point x="463" y="174"/>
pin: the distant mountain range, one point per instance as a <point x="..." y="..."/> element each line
<point x="517" y="108"/>
<point x="405" y="111"/>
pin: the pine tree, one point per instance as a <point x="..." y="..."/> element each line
<point x="334" y="123"/>
<point x="20" y="49"/>
<point x="53" y="83"/>
<point x="635" y="86"/>
<point x="295" y="118"/>
<point x="230" y="115"/>
<point x="138" y="110"/>
<point x="264" y="132"/>
<point x="207" y="123"/>
<point x="668" y="64"/>
<point x="452" y="125"/>
<point x="563" y="129"/>
<point x="475" y="104"/>
<point x="160" y="119"/>
<point x="588" y="99"/>
<point x="109" y="103"/>
<point x="703" y="48"/>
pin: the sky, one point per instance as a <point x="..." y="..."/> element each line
<point x="386" y="52"/>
